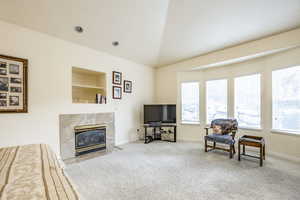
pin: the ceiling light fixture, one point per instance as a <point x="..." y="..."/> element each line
<point x="78" y="29"/>
<point x="115" y="43"/>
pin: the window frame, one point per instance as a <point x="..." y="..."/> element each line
<point x="185" y="121"/>
<point x="260" y="99"/>
<point x="276" y="130"/>
<point x="227" y="97"/>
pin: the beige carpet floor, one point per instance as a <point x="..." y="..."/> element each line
<point x="182" y="171"/>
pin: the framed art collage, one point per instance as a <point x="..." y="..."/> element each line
<point x="13" y="85"/>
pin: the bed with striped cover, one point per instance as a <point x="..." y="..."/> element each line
<point x="32" y="172"/>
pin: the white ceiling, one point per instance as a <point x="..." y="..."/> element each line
<point x="155" y="32"/>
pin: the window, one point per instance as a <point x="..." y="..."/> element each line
<point x="247" y="98"/>
<point x="190" y="102"/>
<point x="216" y="100"/>
<point x="286" y="99"/>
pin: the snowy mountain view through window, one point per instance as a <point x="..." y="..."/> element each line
<point x="286" y="99"/>
<point x="190" y="102"/>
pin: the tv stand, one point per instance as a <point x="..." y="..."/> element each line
<point x="158" y="126"/>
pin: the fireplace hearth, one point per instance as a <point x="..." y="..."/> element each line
<point x="89" y="138"/>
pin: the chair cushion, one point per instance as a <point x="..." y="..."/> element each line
<point x="227" y="125"/>
<point x="225" y="139"/>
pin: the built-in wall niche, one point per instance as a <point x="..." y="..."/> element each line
<point x="88" y="86"/>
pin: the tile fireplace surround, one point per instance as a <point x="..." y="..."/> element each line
<point x="67" y="122"/>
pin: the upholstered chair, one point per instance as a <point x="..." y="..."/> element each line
<point x="223" y="131"/>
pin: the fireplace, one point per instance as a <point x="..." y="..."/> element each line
<point x="89" y="138"/>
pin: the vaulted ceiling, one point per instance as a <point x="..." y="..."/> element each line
<point x="155" y="32"/>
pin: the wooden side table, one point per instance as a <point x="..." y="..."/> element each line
<point x="253" y="141"/>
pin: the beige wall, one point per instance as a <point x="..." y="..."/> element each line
<point x="50" y="91"/>
<point x="168" y="81"/>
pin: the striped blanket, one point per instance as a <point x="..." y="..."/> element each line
<point x="32" y="172"/>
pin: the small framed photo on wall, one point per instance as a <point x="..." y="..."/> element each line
<point x="117" y="78"/>
<point x="13" y="84"/>
<point x="127" y="86"/>
<point x="117" y="92"/>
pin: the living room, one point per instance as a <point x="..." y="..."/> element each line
<point x="205" y="60"/>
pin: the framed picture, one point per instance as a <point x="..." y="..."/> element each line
<point x="3" y="95"/>
<point x="2" y="64"/>
<point x="3" y="71"/>
<point x="13" y="84"/>
<point x="117" y="92"/>
<point x="14" y="100"/>
<point x="15" y="80"/>
<point x="3" y="84"/>
<point x="14" y="69"/>
<point x="117" y="78"/>
<point x="127" y="86"/>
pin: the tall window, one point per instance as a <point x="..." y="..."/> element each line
<point x="247" y="98"/>
<point x="286" y="99"/>
<point x="216" y="100"/>
<point x="190" y="102"/>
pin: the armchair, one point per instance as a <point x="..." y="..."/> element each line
<point x="224" y="131"/>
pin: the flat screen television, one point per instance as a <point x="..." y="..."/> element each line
<point x="164" y="113"/>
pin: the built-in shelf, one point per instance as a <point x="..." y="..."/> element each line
<point x="86" y="84"/>
<point x="87" y="101"/>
